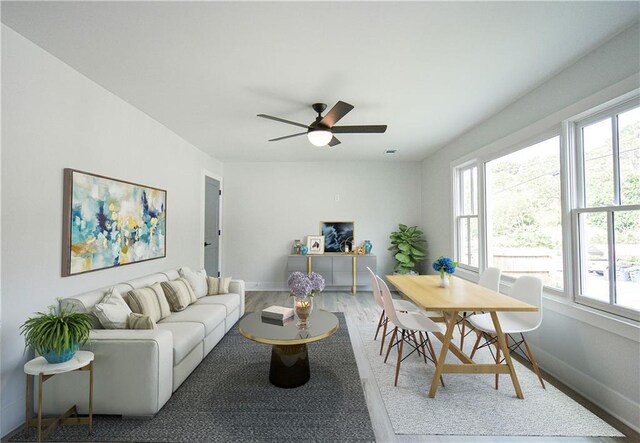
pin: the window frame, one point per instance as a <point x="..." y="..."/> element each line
<point x="578" y="184"/>
<point x="458" y="205"/>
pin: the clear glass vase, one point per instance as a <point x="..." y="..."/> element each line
<point x="303" y="307"/>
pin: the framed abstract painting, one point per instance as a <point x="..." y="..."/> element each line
<point x="338" y="236"/>
<point x="110" y="222"/>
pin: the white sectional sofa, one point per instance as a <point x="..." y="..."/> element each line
<point x="136" y="371"/>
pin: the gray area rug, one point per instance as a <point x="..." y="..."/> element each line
<point x="228" y="398"/>
<point x="469" y="404"/>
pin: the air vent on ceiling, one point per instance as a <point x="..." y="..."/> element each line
<point x="390" y="151"/>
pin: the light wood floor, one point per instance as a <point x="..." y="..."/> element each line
<point x="361" y="307"/>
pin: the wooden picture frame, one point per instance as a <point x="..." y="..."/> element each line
<point x="109" y="222"/>
<point x="315" y="244"/>
<point x="337" y="235"/>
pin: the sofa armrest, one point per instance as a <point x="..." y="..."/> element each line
<point x="237" y="287"/>
<point x="133" y="374"/>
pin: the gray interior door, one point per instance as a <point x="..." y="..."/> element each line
<point x="212" y="226"/>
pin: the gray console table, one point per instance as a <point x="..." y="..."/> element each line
<point x="337" y="269"/>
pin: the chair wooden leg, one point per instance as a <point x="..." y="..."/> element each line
<point x="379" y="325"/>
<point x="418" y="348"/>
<point x="395" y="382"/>
<point x="497" y="360"/>
<point x="433" y="355"/>
<point x="384" y="334"/>
<point x="533" y="361"/>
<point x="464" y="324"/>
<point x="393" y="337"/>
<point x="422" y="339"/>
<point x="475" y="346"/>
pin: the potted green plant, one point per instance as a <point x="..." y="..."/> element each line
<point x="409" y="247"/>
<point x="56" y="334"/>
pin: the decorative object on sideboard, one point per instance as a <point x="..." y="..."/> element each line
<point x="57" y="334"/>
<point x="446" y="267"/>
<point x="367" y="247"/>
<point x="337" y="235"/>
<point x="315" y="244"/>
<point x="304" y="249"/>
<point x="110" y="222"/>
<point x="303" y="287"/>
<point x="296" y="246"/>
<point x="408" y="245"/>
<point x="347" y="246"/>
<point x="359" y="250"/>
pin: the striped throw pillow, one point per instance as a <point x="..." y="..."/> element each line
<point x="141" y="321"/>
<point x="179" y="294"/>
<point x="149" y="301"/>
<point x="218" y="285"/>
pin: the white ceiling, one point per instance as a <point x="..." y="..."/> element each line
<point x="429" y="70"/>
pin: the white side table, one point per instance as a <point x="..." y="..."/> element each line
<point x="81" y="361"/>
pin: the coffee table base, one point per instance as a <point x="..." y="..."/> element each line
<point x="289" y="366"/>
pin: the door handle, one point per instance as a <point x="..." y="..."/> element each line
<point x="207" y="244"/>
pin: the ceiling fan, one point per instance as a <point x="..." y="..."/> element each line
<point x="321" y="131"/>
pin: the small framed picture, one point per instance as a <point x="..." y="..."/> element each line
<point x="315" y="243"/>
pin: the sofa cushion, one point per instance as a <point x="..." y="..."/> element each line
<point x="112" y="311"/>
<point x="229" y="301"/>
<point x="140" y="321"/>
<point x="186" y="336"/>
<point x="179" y="294"/>
<point x="150" y="301"/>
<point x="197" y="280"/>
<point x="209" y="315"/>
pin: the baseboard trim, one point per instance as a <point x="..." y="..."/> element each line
<point x="593" y="390"/>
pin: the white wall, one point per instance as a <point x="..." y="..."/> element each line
<point x="53" y="118"/>
<point x="594" y="354"/>
<point x="266" y="206"/>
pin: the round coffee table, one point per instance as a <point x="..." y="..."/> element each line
<point x="289" y="357"/>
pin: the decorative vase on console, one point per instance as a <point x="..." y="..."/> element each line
<point x="304" y="249"/>
<point x="367" y="247"/>
<point x="445" y="266"/>
<point x="303" y="287"/>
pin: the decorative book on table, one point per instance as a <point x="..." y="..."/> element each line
<point x="277" y="313"/>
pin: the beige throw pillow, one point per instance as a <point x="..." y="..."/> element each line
<point x="112" y="311"/>
<point x="197" y="280"/>
<point x="179" y="294"/>
<point x="141" y="321"/>
<point x="218" y="285"/>
<point x="149" y="301"/>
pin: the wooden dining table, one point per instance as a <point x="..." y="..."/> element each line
<point x="461" y="296"/>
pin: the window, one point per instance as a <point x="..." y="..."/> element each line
<point x="607" y="216"/>
<point x="467" y="218"/>
<point x="523" y="212"/>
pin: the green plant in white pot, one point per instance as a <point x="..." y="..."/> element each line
<point x="409" y="246"/>
<point x="56" y="334"/>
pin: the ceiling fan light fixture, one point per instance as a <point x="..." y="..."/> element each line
<point x="319" y="137"/>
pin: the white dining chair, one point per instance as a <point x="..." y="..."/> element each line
<point x="529" y="290"/>
<point x="406" y="325"/>
<point x="489" y="279"/>
<point x="399" y="305"/>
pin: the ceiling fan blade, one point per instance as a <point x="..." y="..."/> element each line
<point x="334" y="141"/>
<point x="287" y="136"/>
<point x="278" y="119"/>
<point x="362" y="129"/>
<point x="338" y="111"/>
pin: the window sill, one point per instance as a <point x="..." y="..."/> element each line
<point x="600" y="319"/>
<point x="609" y="322"/>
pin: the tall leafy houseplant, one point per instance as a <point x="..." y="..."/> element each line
<point x="409" y="246"/>
<point x="56" y="334"/>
